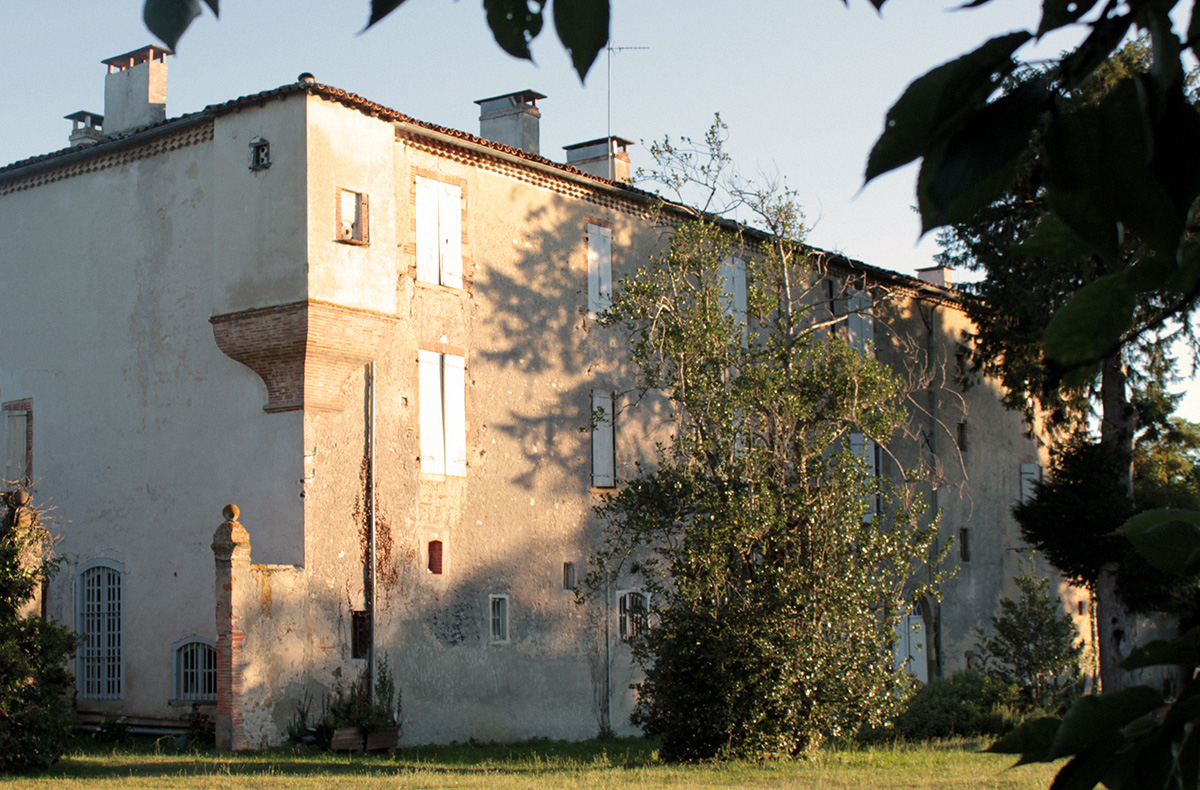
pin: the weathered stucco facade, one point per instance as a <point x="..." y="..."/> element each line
<point x="236" y="306"/>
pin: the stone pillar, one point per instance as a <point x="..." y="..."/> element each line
<point x="231" y="548"/>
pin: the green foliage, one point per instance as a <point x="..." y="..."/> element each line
<point x="774" y="595"/>
<point x="967" y="704"/>
<point x="353" y="707"/>
<point x="35" y="713"/>
<point x="1032" y="646"/>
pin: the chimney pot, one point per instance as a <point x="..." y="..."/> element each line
<point x="87" y="128"/>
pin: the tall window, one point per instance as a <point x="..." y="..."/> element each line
<point x="599" y="252"/>
<point x="441" y="394"/>
<point x="16" y="433"/>
<point x="860" y="323"/>
<point x="631" y="608"/>
<point x="196" y="670"/>
<point x="101" y="669"/>
<point x="604" y="472"/>
<point x="871" y="455"/>
<point x="439" y="233"/>
<point x="733" y="286"/>
<point x="498" y="606"/>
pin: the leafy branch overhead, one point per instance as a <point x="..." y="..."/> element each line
<point x="1125" y="167"/>
<point x="582" y="25"/>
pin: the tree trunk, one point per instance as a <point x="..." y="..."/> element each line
<point x="1118" y="422"/>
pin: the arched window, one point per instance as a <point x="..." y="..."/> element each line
<point x="632" y="607"/>
<point x="195" y="670"/>
<point x="101" y="630"/>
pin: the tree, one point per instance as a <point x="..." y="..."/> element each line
<point x="1032" y="645"/>
<point x="774" y="588"/>
<point x="35" y="713"/>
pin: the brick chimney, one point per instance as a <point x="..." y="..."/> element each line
<point x="135" y="89"/>
<point x="606" y="157"/>
<point x="87" y="129"/>
<point x="511" y="119"/>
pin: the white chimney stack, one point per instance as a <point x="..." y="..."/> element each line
<point x="135" y="89"/>
<point x="941" y="276"/>
<point x="606" y="157"/>
<point x="511" y="119"/>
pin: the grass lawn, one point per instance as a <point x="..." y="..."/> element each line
<point x="531" y="766"/>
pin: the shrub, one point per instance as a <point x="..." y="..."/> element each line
<point x="966" y="704"/>
<point x="35" y="714"/>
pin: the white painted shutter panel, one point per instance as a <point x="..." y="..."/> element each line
<point x="599" y="268"/>
<point x="348" y="211"/>
<point x="427" y="230"/>
<point x="860" y="324"/>
<point x="454" y="413"/>
<point x="1031" y="474"/>
<point x="864" y="448"/>
<point x="429" y="407"/>
<point x="733" y="283"/>
<point x="603" y="448"/>
<point x="910" y="647"/>
<point x="450" y="234"/>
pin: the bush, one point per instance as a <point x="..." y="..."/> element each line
<point x="966" y="704"/>
<point x="353" y="707"/>
<point x="35" y="714"/>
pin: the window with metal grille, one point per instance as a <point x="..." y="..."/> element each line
<point x="632" y="607"/>
<point x="435" y="557"/>
<point x="260" y="154"/>
<point x="196" y="670"/>
<point x="499" y="618"/>
<point x="16" y="432"/>
<point x="101" y="668"/>
<point x="360" y="634"/>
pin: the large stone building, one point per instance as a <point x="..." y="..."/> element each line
<point x="377" y="337"/>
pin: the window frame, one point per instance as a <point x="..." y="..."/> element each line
<point x="107" y="659"/>
<point x="631" y="623"/>
<point x="12" y="411"/>
<point x="179" y="693"/>
<point x="359" y="231"/>
<point x="499" y="631"/>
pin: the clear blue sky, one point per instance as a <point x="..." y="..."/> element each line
<point x="802" y="84"/>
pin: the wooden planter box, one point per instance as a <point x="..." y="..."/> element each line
<point x="383" y="739"/>
<point x="346" y="739"/>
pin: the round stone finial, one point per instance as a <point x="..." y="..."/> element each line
<point x="21" y="497"/>
<point x="306" y="76"/>
<point x="231" y="512"/>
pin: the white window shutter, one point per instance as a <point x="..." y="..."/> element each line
<point x="450" y="234"/>
<point x="427" y="230"/>
<point x="1031" y="475"/>
<point x="429" y="407"/>
<point x="348" y="214"/>
<point x="860" y="323"/>
<point x="599" y="251"/>
<point x="733" y="284"/>
<point x="603" y="447"/>
<point x="454" y="413"/>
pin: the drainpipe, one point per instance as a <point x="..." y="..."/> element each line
<point x="371" y="597"/>
<point x="934" y="499"/>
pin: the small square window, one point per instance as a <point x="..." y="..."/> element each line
<point x="260" y="154"/>
<point x="964" y="436"/>
<point x="568" y="576"/>
<point x="360" y="634"/>
<point x="964" y="544"/>
<point x="352" y="220"/>
<point x="498" y="631"/>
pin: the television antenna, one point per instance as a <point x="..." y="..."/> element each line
<point x="610" y="49"/>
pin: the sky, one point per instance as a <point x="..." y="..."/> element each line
<point x="803" y="85"/>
